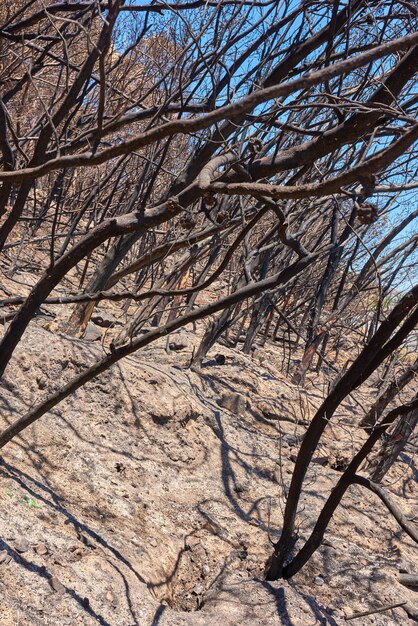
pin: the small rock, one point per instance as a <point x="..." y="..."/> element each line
<point x="56" y="585"/>
<point x="111" y="598"/>
<point x="22" y="545"/>
<point x="77" y="554"/>
<point x="41" y="549"/>
<point x="104" y="319"/>
<point x="205" y="570"/>
<point x="321" y="460"/>
<point x="92" y="333"/>
<point x="153" y="543"/>
<point x="220" y="359"/>
<point x="234" y="402"/>
<point x="5" y="557"/>
<point x="176" y="346"/>
<point x="42" y="382"/>
<point x="318" y="580"/>
<point x="119" y="467"/>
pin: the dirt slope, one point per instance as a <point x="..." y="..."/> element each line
<point x="151" y="497"/>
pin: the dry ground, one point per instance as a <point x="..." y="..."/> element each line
<point x="152" y="495"/>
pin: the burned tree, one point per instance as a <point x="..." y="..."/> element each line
<point x="152" y="151"/>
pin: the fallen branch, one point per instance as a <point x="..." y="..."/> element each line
<point x="373" y="611"/>
<point x="409" y="580"/>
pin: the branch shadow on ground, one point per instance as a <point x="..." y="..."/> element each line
<point x="50" y="499"/>
<point x="42" y="571"/>
<point x="280" y="601"/>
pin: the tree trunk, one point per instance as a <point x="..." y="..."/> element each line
<point x="393" y="445"/>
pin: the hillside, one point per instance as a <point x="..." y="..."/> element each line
<point x="150" y="497"/>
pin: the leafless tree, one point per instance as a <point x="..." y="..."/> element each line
<point x="151" y="151"/>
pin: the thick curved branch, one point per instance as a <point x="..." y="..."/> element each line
<point x="315" y="539"/>
<point x="410" y="529"/>
<point x="372" y="355"/>
<point x="372" y="165"/>
<point x="229" y="111"/>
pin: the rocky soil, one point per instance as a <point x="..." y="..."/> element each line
<point x="152" y="496"/>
